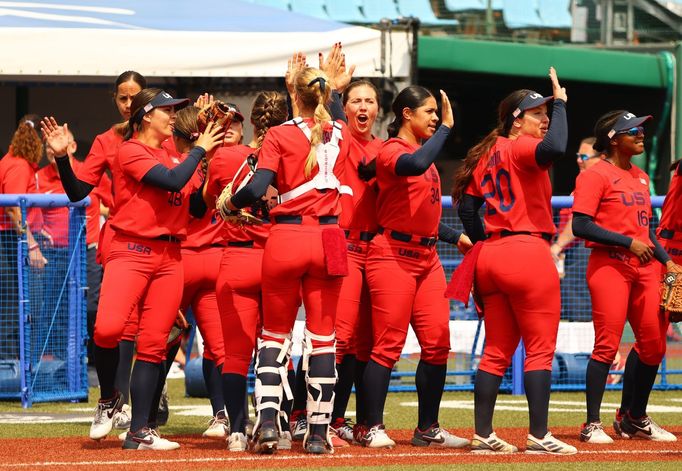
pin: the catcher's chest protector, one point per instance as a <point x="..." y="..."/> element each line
<point x="327" y="153"/>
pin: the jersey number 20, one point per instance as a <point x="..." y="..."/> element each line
<point x="498" y="186"/>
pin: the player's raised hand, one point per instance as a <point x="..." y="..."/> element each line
<point x="56" y="136"/>
<point x="447" y="117"/>
<point x="204" y="100"/>
<point x="558" y="91"/>
<point x="211" y="138"/>
<point x="334" y="65"/>
<point x="641" y="250"/>
<point x="295" y="64"/>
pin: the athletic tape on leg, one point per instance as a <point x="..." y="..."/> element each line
<point x="320" y="400"/>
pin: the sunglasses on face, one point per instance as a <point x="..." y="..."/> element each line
<point x="585" y="157"/>
<point x="633" y="131"/>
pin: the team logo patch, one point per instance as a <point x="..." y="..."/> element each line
<point x="175" y="160"/>
<point x="670" y="278"/>
<point x="643" y="181"/>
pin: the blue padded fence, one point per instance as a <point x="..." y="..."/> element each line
<point x="43" y="331"/>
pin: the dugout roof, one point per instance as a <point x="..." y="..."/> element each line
<point x="174" y="38"/>
<point x="529" y="60"/>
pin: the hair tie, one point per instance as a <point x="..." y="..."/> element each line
<point x="322" y="81"/>
<point x="30" y="123"/>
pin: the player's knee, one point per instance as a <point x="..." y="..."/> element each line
<point x="652" y="354"/>
<point x="494" y="363"/>
<point x="235" y="364"/>
<point x="541" y="360"/>
<point x="435" y="355"/>
<point x="604" y="353"/>
<point x="106" y="335"/>
<point x="384" y="358"/>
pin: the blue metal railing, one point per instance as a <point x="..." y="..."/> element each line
<point x="46" y="359"/>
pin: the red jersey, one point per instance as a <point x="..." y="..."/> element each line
<point x="145" y="210"/>
<point x="222" y="169"/>
<point x="359" y="210"/>
<point x="517" y="192"/>
<point x="618" y="200"/>
<point x="56" y="220"/>
<point x="102" y="156"/>
<point x="671" y="217"/>
<point x="285" y="150"/>
<point x="206" y="231"/>
<point x="407" y="204"/>
<point x="17" y="175"/>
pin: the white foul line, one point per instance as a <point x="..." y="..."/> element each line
<point x="308" y="457"/>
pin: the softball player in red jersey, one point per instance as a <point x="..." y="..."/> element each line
<point x="238" y="285"/>
<point x="144" y="263"/>
<point x="405" y="277"/>
<point x="304" y="256"/>
<point x="201" y="253"/>
<point x="358" y="220"/>
<point x="612" y="212"/>
<point x="515" y="275"/>
<point x="89" y="176"/>
<point x="670" y="227"/>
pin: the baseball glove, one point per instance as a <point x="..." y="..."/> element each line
<point x="218" y="112"/>
<point x="671" y="295"/>
<point x="239" y="217"/>
<point x="179" y="327"/>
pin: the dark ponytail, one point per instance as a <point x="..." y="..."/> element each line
<point x="601" y="130"/>
<point x="505" y="119"/>
<point x="140" y="100"/>
<point x="411" y="97"/>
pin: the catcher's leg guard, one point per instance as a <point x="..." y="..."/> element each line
<point x="319" y="363"/>
<point x="271" y="385"/>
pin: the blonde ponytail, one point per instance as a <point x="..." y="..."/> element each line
<point x="314" y="93"/>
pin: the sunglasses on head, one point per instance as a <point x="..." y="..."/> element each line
<point x="632" y="131"/>
<point x="584" y="157"/>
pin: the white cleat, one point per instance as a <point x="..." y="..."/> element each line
<point x="645" y="428"/>
<point x="594" y="433"/>
<point x="148" y="439"/>
<point x="548" y="445"/>
<point x="284" y="442"/>
<point x="103" y="421"/>
<point x="237" y="442"/>
<point x="491" y="445"/>
<point x="436" y="436"/>
<point x="218" y="427"/>
<point x="122" y="418"/>
<point x="376" y="437"/>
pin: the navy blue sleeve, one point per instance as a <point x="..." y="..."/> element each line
<point x="553" y="146"/>
<point x="336" y="108"/>
<point x="659" y="252"/>
<point x="410" y="165"/>
<point x="448" y="234"/>
<point x="174" y="179"/>
<point x="75" y="189"/>
<point x="585" y="227"/>
<point x="467" y="210"/>
<point x="254" y="190"/>
<point x="197" y="205"/>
